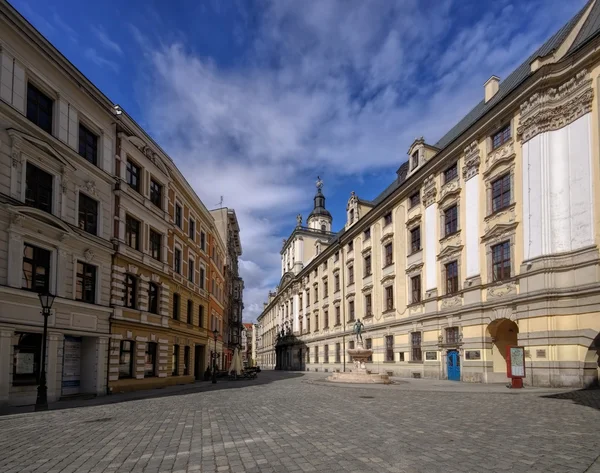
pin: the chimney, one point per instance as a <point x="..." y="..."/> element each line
<point x="491" y="87"/>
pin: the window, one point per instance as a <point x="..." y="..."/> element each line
<point x="367" y="265"/>
<point x="415" y="284"/>
<point x="338" y="353"/>
<point x="316" y="322"/>
<point x="351" y="274"/>
<point x="414" y="160"/>
<point x="336" y="256"/>
<point x="501" y="261"/>
<point x="350" y="246"/>
<point x="26" y="358"/>
<point x="501" y="193"/>
<point x="178" y="221"/>
<point x="451" y="220"/>
<point x="86" y="283"/>
<point x="451" y="173"/>
<point x="452" y="277"/>
<point x="39" y="108"/>
<point x="192" y="229"/>
<point x="88" y="214"/>
<point x="152" y="298"/>
<point x="175" y="360"/>
<point x="387" y="219"/>
<point x="415" y="239"/>
<point x="200" y="315"/>
<point x="36" y="269"/>
<point x="389" y="254"/>
<point x="501" y="137"/>
<point x="326" y="318"/>
<point x="325" y="266"/>
<point x="389" y="298"/>
<point x="316" y="354"/>
<point x="88" y="144"/>
<point x="336" y="282"/>
<point x="338" y="318"/>
<point x="307" y="324"/>
<point x="130" y="291"/>
<point x="415" y="199"/>
<point x="191" y="270"/>
<point x="323" y="228"/>
<point x="325" y="288"/>
<point x="186" y="361"/>
<point x="307" y="298"/>
<point x="155" y="244"/>
<point x="132" y="232"/>
<point x="202" y="277"/>
<point x="176" y="306"/>
<point x="368" y="306"/>
<point x="369" y="346"/>
<point x="307" y="355"/>
<point x="367" y="234"/>
<point x="326" y="354"/>
<point x="177" y="260"/>
<point x="452" y="336"/>
<point x="156" y="193"/>
<point x="350" y="311"/>
<point x="316" y="293"/>
<point x="133" y="175"/>
<point x="203" y="241"/>
<point x="190" y="313"/>
<point x="126" y="359"/>
<point x="351" y="217"/>
<point x="38" y="188"/>
<point x="389" y="348"/>
<point x="150" y="360"/>
<point x="415" y="342"/>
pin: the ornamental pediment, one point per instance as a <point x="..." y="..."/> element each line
<point x="449" y="251"/>
<point x="449" y="191"/>
<point x="413" y="268"/>
<point x="499" y="231"/>
<point x="413" y="220"/>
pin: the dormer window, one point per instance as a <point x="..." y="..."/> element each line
<point x="414" y="160"/>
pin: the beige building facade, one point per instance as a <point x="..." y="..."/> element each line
<point x="486" y="239"/>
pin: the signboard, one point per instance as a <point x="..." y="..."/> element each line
<point x="473" y="355"/>
<point x="515" y="357"/>
<point x="25" y="363"/>
<point x="71" y="379"/>
<point x="431" y="355"/>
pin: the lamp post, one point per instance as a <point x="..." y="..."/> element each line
<point x="41" y="403"/>
<point x="214" y="371"/>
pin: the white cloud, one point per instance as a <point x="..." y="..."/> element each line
<point x="93" y="56"/>
<point x="341" y="87"/>
<point x="106" y="41"/>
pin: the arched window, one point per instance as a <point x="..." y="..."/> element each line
<point x="323" y="228"/>
<point x="130" y="291"/>
<point x="152" y="298"/>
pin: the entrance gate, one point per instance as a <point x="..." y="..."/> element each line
<point x="453" y="365"/>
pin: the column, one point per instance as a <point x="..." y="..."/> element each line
<point x="102" y="344"/>
<point x="470" y="173"/>
<point x="296" y="308"/>
<point x="5" y="366"/>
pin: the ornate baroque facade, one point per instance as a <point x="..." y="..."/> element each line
<point x="95" y="212"/>
<point x="487" y="238"/>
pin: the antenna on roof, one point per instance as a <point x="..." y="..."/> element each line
<point x="220" y="204"/>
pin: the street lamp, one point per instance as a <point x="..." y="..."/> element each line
<point x="214" y="371"/>
<point x="41" y="403"/>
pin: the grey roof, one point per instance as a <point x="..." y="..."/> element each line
<point x="590" y="29"/>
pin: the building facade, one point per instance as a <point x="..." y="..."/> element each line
<point x="247" y="338"/>
<point x="57" y="142"/>
<point x="93" y="211"/>
<point x="486" y="239"/>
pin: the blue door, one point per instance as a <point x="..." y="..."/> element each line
<point x="453" y="365"/>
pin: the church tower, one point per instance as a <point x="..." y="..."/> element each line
<point x="319" y="219"/>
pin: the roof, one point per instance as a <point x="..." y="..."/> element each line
<point x="589" y="30"/>
<point x="247" y="325"/>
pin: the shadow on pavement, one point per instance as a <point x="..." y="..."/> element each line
<point x="263" y="378"/>
<point x="585" y="397"/>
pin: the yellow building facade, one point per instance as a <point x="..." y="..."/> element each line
<point x="486" y="239"/>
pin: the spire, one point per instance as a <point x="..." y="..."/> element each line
<point x="319" y="208"/>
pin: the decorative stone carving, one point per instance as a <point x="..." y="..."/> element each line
<point x="64" y="183"/>
<point x="90" y="186"/>
<point x="502" y="290"/>
<point x="451" y="302"/>
<point x="556" y="108"/>
<point x="15" y="154"/>
<point x="499" y="232"/>
<point x="472" y="160"/>
<point x="504" y="153"/>
<point x="450" y="242"/>
<point x="132" y="269"/>
<point x="88" y="255"/>
<point x="451" y="188"/>
<point x="299" y="220"/>
<point x="16" y="219"/>
<point x="507" y="215"/>
<point x="429" y="190"/>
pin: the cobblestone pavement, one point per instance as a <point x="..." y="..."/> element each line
<point x="296" y="424"/>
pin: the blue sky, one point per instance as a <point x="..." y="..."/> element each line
<point x="254" y="99"/>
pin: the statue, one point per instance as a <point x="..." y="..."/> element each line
<point x="319" y="183"/>
<point x="357" y="330"/>
<point x="299" y="220"/>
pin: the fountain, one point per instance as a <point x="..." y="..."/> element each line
<point x="360" y="355"/>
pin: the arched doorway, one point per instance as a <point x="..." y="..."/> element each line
<point x="504" y="333"/>
<point x="591" y="366"/>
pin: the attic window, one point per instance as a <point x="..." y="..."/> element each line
<point x="414" y="160"/>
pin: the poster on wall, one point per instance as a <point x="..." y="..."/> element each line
<point x="71" y="379"/>
<point x="516" y="363"/>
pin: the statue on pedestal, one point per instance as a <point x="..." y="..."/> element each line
<point x="357" y="330"/>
